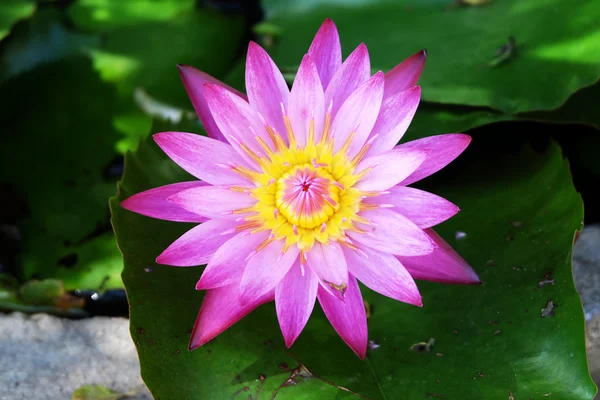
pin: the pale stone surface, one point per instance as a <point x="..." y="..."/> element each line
<point x="45" y="357"/>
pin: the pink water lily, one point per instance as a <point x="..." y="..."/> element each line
<point x="303" y="192"/>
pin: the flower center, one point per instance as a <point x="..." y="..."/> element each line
<point x="304" y="194"/>
<point x="307" y="196"/>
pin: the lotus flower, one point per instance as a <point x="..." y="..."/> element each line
<point x="303" y="192"/>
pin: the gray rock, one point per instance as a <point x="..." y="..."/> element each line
<point x="45" y="357"/>
<point x="586" y="269"/>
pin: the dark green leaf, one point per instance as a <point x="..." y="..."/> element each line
<point x="58" y="143"/>
<point x="42" y="39"/>
<point x="520" y="212"/>
<point x="554" y="40"/>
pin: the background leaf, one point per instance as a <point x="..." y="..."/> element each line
<point x="55" y="155"/>
<point x="520" y="212"/>
<point x="555" y="39"/>
<point x="11" y="11"/>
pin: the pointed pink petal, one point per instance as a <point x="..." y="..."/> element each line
<point x="404" y="75"/>
<point x="266" y="87"/>
<point x="153" y="203"/>
<point x="326" y="51"/>
<point x="295" y="298"/>
<point x="201" y="156"/>
<point x="423" y="208"/>
<point x="353" y="72"/>
<point x="306" y="101"/>
<point x="348" y="317"/>
<point x="443" y="149"/>
<point x="393" y="233"/>
<point x="394" y="118"/>
<point x="384" y="274"/>
<point x="197" y="245"/>
<point x="237" y="120"/>
<point x="212" y="201"/>
<point x="329" y="264"/>
<point x="220" y="309"/>
<point x="228" y="263"/>
<point x="266" y="269"/>
<point x="193" y="80"/>
<point x="358" y="114"/>
<point x="442" y="265"/>
<point x="389" y="168"/>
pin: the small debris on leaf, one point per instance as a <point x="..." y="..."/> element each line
<point x="373" y="345"/>
<point x="367" y="309"/>
<point x="516" y="224"/>
<point x="262" y="377"/>
<point x="504" y="53"/>
<point x="423" y="347"/>
<point x="549" y="309"/>
<point x="545" y="282"/>
<point x="491" y="263"/>
<point x="460" y="235"/>
<point x="510" y="395"/>
<point x="498" y="332"/>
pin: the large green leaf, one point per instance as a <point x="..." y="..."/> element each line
<point x="108" y="14"/>
<point x="42" y="39"/>
<point x="58" y="141"/>
<point x="555" y="39"/>
<point x="11" y="11"/>
<point x="520" y="213"/>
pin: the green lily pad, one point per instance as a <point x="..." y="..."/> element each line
<point x="557" y="45"/>
<point x="520" y="333"/>
<point x="55" y="154"/>
<point x="12" y="11"/>
<point x="42" y="39"/>
<point x="99" y="15"/>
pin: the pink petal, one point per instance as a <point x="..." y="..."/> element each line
<point x="423" y="208"/>
<point x="390" y="168"/>
<point x="348" y="317"/>
<point x="326" y="51"/>
<point x="396" y="113"/>
<point x="358" y="114"/>
<point x="384" y="274"/>
<point x="353" y="72"/>
<point x="237" y="120"/>
<point x="193" y="80"/>
<point x="295" y="298"/>
<point x="266" y="87"/>
<point x="266" y="269"/>
<point x="404" y="75"/>
<point x="228" y="263"/>
<point x="442" y="265"/>
<point x="306" y="102"/>
<point x="220" y="309"/>
<point x="201" y="156"/>
<point x="153" y="203"/>
<point x="393" y="233"/>
<point x="212" y="201"/>
<point x="329" y="264"/>
<point x="442" y="150"/>
<point x="197" y="245"/>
